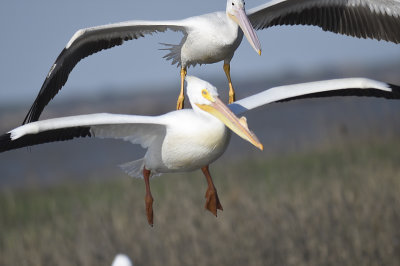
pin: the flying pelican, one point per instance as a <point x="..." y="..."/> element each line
<point x="188" y="139"/>
<point x="214" y="37"/>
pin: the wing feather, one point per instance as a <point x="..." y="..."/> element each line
<point x="86" y="42"/>
<point x="375" y="19"/>
<point x="327" y="88"/>
<point x="141" y="130"/>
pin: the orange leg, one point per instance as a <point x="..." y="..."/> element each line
<point x="181" y="98"/>
<point x="148" y="198"/>
<point x="227" y="69"/>
<point x="212" y="200"/>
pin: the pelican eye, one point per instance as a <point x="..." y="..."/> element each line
<point x="233" y="4"/>
<point x="207" y="95"/>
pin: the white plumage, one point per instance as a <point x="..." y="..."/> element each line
<point x="122" y="260"/>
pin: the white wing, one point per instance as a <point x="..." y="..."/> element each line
<point x="86" y="42"/>
<point x="327" y="88"/>
<point x="136" y="129"/>
<point x="375" y="19"/>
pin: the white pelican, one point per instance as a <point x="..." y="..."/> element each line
<point x="214" y="37"/>
<point x="187" y="139"/>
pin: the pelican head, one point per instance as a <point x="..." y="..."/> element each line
<point x="204" y="98"/>
<point x="235" y="9"/>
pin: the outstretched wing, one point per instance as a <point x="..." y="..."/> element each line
<point x="327" y="88"/>
<point x="375" y="19"/>
<point x="86" y="42"/>
<point x="141" y="130"/>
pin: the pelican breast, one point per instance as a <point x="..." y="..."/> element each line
<point x="196" y="141"/>
<point x="211" y="38"/>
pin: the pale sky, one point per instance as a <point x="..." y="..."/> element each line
<point x="34" y="34"/>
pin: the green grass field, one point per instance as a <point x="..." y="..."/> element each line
<point x="333" y="206"/>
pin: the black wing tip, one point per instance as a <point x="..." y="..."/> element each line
<point x="60" y="70"/>
<point x="63" y="134"/>
<point x="395" y="89"/>
<point x="29" y="116"/>
<point x="393" y="94"/>
<point x="5" y="141"/>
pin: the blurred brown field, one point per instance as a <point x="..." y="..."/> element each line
<point x="331" y="205"/>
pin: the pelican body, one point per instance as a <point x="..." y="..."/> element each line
<point x="189" y="139"/>
<point x="204" y="43"/>
<point x="169" y="152"/>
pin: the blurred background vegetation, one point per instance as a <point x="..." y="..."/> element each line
<point x="332" y="206"/>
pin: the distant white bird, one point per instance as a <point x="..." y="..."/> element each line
<point x="122" y="260"/>
<point x="214" y="37"/>
<point x="187" y="139"/>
